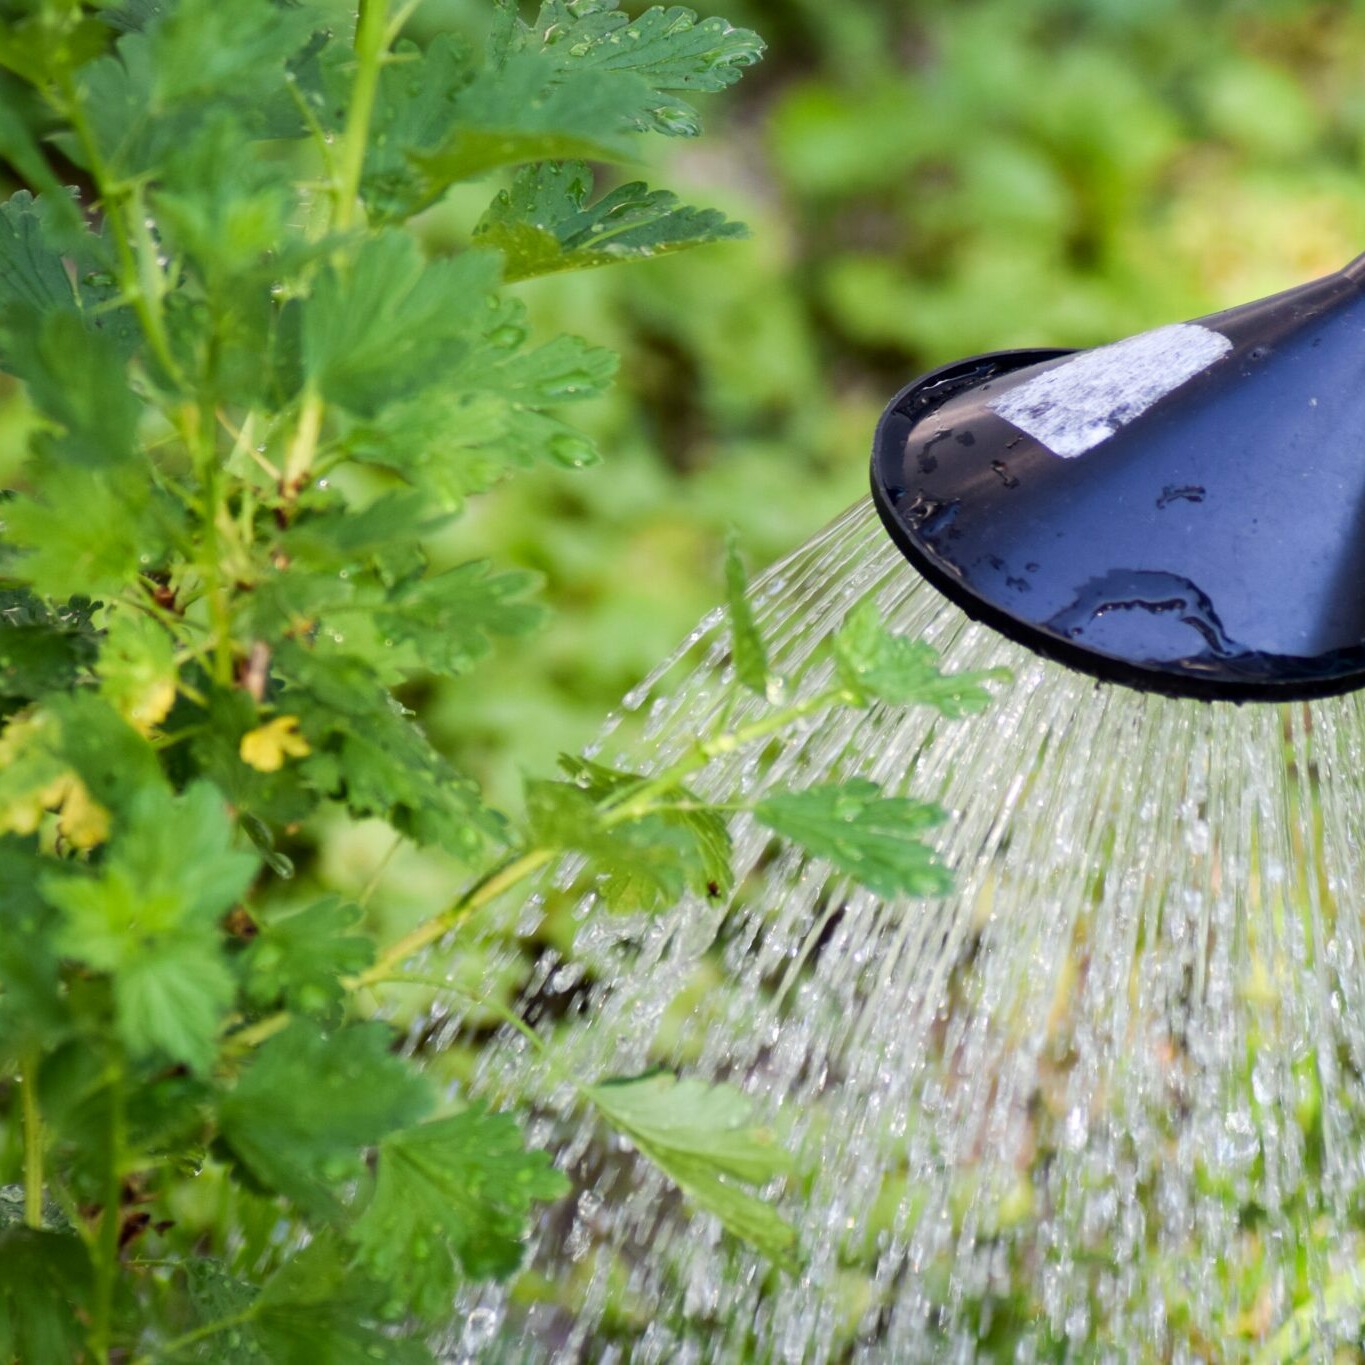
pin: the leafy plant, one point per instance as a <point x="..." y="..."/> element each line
<point x="255" y="401"/>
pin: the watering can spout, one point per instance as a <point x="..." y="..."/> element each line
<point x="1182" y="511"/>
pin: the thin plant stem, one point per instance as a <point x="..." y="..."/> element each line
<point x="209" y="1329"/>
<point x="33" y="1140"/>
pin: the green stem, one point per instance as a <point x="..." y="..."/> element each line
<point x="140" y="279"/>
<point x="631" y="803"/>
<point x="200" y="433"/>
<point x="370" y="40"/>
<point x="33" y="1140"/>
<point x="488" y="888"/>
<point x="209" y="1329"/>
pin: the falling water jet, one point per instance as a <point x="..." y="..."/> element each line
<point x="1105" y="1101"/>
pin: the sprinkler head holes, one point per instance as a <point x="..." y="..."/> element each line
<point x="1182" y="512"/>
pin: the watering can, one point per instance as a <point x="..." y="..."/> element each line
<point x="1181" y="512"/>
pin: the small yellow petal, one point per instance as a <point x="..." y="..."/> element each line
<point x="266" y="747"/>
<point x="83" y="821"/>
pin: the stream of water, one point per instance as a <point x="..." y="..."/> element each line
<point x="1102" y="1102"/>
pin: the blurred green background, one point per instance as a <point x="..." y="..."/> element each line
<point x="923" y="181"/>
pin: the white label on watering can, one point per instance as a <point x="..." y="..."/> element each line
<point x="1073" y="407"/>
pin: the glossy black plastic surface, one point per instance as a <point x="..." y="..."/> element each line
<point x="1208" y="541"/>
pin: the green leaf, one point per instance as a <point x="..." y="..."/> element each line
<point x="543" y="224"/>
<point x="149" y="917"/>
<point x="452" y="618"/>
<point x="45" y="1291"/>
<point x="452" y="1195"/>
<point x="393" y="324"/>
<point x="298" y="961"/>
<point x="640" y="864"/>
<point x="42" y="648"/>
<point x="223" y="51"/>
<point x="871" y="837"/>
<point x="71" y="547"/>
<point x="708" y="865"/>
<point x="414" y="112"/>
<point x="31" y="269"/>
<point x="667" y="49"/>
<point x="33" y="1006"/>
<point x="77" y="378"/>
<point x="317" y="1308"/>
<point x="876" y="665"/>
<point x="314" y="1310"/>
<point x="304" y="1112"/>
<point x="367" y="753"/>
<point x="746" y="644"/>
<point x="532" y="109"/>
<point x="700" y="1137"/>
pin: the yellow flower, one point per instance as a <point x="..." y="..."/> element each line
<point x="267" y="746"/>
<point x="83" y="821"/>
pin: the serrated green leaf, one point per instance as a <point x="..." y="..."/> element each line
<point x="367" y="753"/>
<point x="700" y="1137"/>
<point x="640" y="864"/>
<point x="31" y="270"/>
<point x="414" y="112"/>
<point x="666" y="49"/>
<point x="746" y="644"/>
<point x="298" y="961"/>
<point x="225" y="50"/>
<point x="69" y="545"/>
<point x="393" y="324"/>
<point x="314" y="1310"/>
<point x="453" y="618"/>
<point x="871" y="837"/>
<point x="317" y="1308"/>
<point x="876" y="665"/>
<point x="149" y="917"/>
<point x="532" y="109"/>
<point x="42" y="648"/>
<point x="311" y="1103"/>
<point x="543" y="224"/>
<point x="77" y="379"/>
<point x="452" y="1195"/>
<point x="710" y="872"/>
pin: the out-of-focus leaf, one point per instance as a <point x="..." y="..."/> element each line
<point x="746" y="644"/>
<point x="299" y="961"/>
<point x="310" y="1103"/>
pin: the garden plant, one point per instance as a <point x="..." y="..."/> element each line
<point x="254" y="401"/>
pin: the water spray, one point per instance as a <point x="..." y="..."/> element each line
<point x="1105" y="1100"/>
<point x="1179" y="512"/>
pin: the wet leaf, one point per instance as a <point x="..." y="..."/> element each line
<point x="871" y="837"/>
<point x="700" y="1137"/>
<point x="544" y="224"/>
<point x="877" y="665"/>
<point x="452" y="1197"/>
